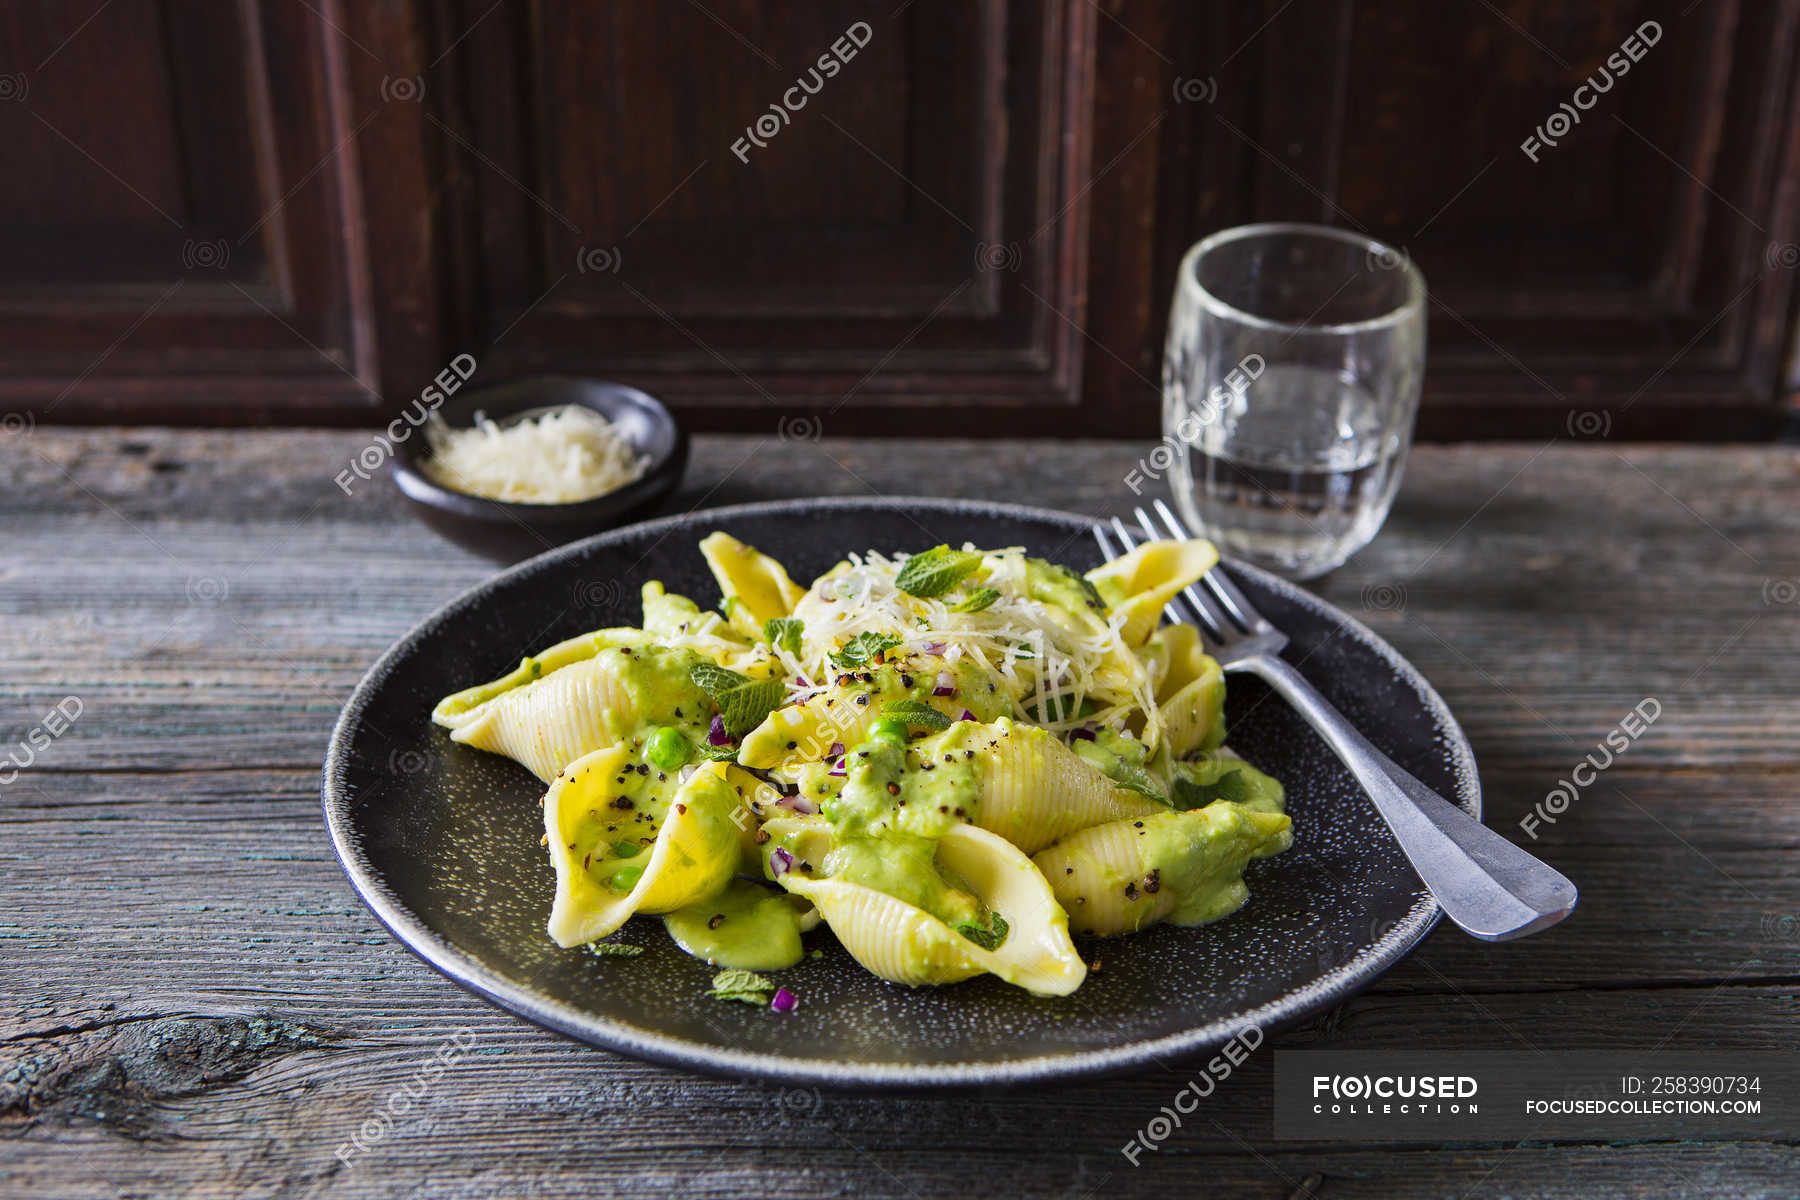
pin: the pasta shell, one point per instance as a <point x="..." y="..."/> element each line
<point x="756" y="587"/>
<point x="697" y="835"/>
<point x="800" y="733"/>
<point x="1173" y="658"/>
<point x="461" y="708"/>
<point x="675" y="620"/>
<point x="904" y="944"/>
<point x="890" y="938"/>
<point x="1138" y="585"/>
<point x="1030" y="788"/>
<point x="550" y="723"/>
<point x="1193" y="718"/>
<point x="1182" y="867"/>
<point x="1035" y="790"/>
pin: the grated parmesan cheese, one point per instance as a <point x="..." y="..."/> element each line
<point x="1045" y="661"/>
<point x="558" y="456"/>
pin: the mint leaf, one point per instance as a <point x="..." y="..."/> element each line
<point x="862" y="649"/>
<point x="915" y="712"/>
<point x="717" y="753"/>
<point x="614" y="949"/>
<point x="1136" y="779"/>
<point x="990" y="937"/>
<point x="935" y="571"/>
<point x="976" y="600"/>
<point x="784" y="633"/>
<point x="747" y="986"/>
<point x="743" y="702"/>
<point x="1230" y="786"/>
<point x="1133" y="779"/>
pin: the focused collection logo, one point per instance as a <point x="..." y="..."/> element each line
<point x="1395" y="1095"/>
<point x="1372" y="1096"/>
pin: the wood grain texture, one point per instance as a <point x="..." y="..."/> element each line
<point x="193" y="1002"/>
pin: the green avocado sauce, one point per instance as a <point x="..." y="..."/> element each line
<point x="919" y="790"/>
<point x="1109" y="750"/>
<point x="915" y="678"/>
<point x="1125" y="760"/>
<point x="1056" y="585"/>
<point x="669" y="614"/>
<point x="1053" y="583"/>
<point x="853" y="700"/>
<point x="661" y="691"/>
<point x="887" y="814"/>
<point x="747" y="926"/>
<point x="1199" y="858"/>
<point x="904" y="867"/>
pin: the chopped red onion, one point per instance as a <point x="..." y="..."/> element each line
<point x="966" y="716"/>
<point x="946" y="684"/>
<point x="717" y="736"/>
<point x="780" y="862"/>
<point x="1082" y="735"/>
<point x="784" y="1000"/>
<point x="836" y="751"/>
<point x="935" y="647"/>
<point x="837" y="769"/>
<point x="799" y="804"/>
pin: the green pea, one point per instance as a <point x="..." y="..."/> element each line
<point x="625" y="880"/>
<point x="889" y="729"/>
<point x="667" y="748"/>
<point x="627" y="849"/>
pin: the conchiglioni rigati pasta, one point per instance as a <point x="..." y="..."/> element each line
<point x="950" y="759"/>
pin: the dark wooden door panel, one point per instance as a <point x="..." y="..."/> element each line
<point x="269" y="210"/>
<point x="877" y="255"/>
<point x="1641" y="271"/>
<point x="179" y="236"/>
<point x="1634" y="268"/>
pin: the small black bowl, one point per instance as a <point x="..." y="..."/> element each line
<point x="507" y="532"/>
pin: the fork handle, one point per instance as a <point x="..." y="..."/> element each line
<point x="1485" y="884"/>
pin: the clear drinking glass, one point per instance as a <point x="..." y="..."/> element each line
<point x="1290" y="384"/>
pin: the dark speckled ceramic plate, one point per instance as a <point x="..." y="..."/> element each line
<point x="442" y="841"/>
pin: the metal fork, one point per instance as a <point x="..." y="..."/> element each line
<point x="1485" y="884"/>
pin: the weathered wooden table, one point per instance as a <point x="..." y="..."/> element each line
<point x="196" y="1004"/>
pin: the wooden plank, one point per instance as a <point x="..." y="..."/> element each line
<point x="432" y="1156"/>
<point x="266" y="1091"/>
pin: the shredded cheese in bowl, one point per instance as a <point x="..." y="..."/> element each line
<point x="556" y="455"/>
